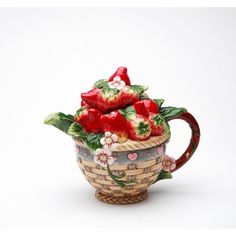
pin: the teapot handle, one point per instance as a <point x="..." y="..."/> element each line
<point x="194" y="141"/>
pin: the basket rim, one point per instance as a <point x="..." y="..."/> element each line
<point x="131" y="145"/>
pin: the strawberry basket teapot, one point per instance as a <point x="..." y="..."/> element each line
<point x="120" y="137"/>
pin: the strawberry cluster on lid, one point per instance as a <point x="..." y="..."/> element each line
<point x="114" y="93"/>
<point x="114" y="106"/>
<point x="112" y="112"/>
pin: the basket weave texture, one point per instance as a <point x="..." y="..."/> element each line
<point x="126" y="199"/>
<point x="145" y="173"/>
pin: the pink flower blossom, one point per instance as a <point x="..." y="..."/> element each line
<point x="117" y="83"/>
<point x="168" y="163"/>
<point x="103" y="157"/>
<point x="109" y="140"/>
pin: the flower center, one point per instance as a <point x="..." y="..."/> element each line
<point x="116" y="79"/>
<point x="108" y="140"/>
<point x="168" y="163"/>
<point x="103" y="157"/>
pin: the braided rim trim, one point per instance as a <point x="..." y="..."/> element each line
<point x="129" y="199"/>
<point x="131" y="145"/>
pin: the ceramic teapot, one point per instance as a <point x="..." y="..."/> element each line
<point x="120" y="137"/>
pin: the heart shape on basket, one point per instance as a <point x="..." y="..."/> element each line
<point x="160" y="150"/>
<point x="77" y="148"/>
<point x="132" y="156"/>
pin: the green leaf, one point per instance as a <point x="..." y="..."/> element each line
<point x="143" y="96"/>
<point x="60" y="121"/>
<point x="159" y="102"/>
<point x="130" y="109"/>
<point x="171" y="112"/>
<point x="78" y="112"/>
<point x="122" y="112"/>
<point x="143" y="128"/>
<point x="108" y="93"/>
<point x="158" y="119"/>
<point x="100" y="83"/>
<point x="163" y="175"/>
<point x="76" y="131"/>
<point x="139" y="88"/>
<point x="117" y="180"/>
<point x="93" y="140"/>
<point x="106" y="90"/>
<point x="128" y="112"/>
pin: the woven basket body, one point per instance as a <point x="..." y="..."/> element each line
<point x="141" y="162"/>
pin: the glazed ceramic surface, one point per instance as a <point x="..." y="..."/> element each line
<point x="125" y="157"/>
<point x="121" y="135"/>
<point x="141" y="167"/>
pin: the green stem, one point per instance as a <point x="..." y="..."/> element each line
<point x="163" y="175"/>
<point x="117" y="180"/>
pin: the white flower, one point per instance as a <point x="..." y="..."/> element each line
<point x="169" y="163"/>
<point x="117" y="83"/>
<point x="109" y="141"/>
<point x="103" y="157"/>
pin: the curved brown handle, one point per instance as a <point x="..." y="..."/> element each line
<point x="194" y="141"/>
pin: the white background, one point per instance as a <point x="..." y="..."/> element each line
<point x="49" y="56"/>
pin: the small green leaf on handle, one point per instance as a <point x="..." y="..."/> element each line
<point x="169" y="113"/>
<point x="163" y="175"/>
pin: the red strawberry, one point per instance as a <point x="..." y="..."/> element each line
<point x="89" y="119"/>
<point x="115" y="123"/>
<point x="122" y="73"/>
<point x="151" y="106"/>
<point x="138" y="126"/>
<point x="140" y="108"/>
<point x="146" y="107"/>
<point x="91" y="96"/>
<point x="158" y="124"/>
<point x="84" y="104"/>
<point x="107" y="99"/>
